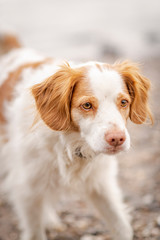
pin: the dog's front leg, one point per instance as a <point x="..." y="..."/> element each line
<point x="29" y="209"/>
<point x="106" y="197"/>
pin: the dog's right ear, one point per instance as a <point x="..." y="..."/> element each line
<point x="53" y="97"/>
<point x="138" y="87"/>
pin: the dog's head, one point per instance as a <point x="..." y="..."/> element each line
<point x="95" y="99"/>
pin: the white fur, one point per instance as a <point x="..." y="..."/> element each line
<point x="41" y="164"/>
<point x="106" y="86"/>
<point x="17" y="58"/>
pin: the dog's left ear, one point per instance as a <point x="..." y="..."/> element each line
<point x="53" y="97"/>
<point x="138" y="87"/>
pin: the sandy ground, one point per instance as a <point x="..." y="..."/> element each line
<point x="106" y="31"/>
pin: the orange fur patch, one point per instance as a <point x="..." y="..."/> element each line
<point x="138" y="87"/>
<point x="8" y="42"/>
<point x="83" y="94"/>
<point x="99" y="66"/>
<point x="7" y="88"/>
<point x="53" y="97"/>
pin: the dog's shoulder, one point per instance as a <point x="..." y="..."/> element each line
<point x="12" y="66"/>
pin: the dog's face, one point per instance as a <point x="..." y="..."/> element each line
<point x="100" y="108"/>
<point x="96" y="100"/>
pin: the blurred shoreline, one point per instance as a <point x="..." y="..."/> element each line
<point x="86" y="30"/>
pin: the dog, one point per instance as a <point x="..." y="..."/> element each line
<point x="61" y="125"/>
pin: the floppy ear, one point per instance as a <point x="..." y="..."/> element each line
<point x="53" y="97"/>
<point x="138" y="87"/>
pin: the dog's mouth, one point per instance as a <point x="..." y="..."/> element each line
<point x="114" y="150"/>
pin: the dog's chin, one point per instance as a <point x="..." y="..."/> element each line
<point x="114" y="150"/>
<point x="111" y="150"/>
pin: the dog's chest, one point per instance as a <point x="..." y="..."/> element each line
<point x="74" y="161"/>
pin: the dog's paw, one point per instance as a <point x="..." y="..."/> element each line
<point x="59" y="227"/>
<point x="35" y="236"/>
<point x="54" y="222"/>
<point x="124" y="233"/>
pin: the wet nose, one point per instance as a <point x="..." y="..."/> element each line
<point x="115" y="138"/>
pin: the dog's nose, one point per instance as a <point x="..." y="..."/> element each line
<point x="115" y="138"/>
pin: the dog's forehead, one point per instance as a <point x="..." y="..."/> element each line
<point x="105" y="82"/>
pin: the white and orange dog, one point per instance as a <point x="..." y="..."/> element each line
<point x="61" y="125"/>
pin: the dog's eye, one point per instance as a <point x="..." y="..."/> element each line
<point x="124" y="103"/>
<point x="87" y="106"/>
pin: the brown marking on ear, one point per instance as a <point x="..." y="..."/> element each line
<point x="53" y="97"/>
<point x="8" y="42"/>
<point x="138" y="87"/>
<point x="7" y="88"/>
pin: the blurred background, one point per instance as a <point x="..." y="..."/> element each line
<point x="103" y="30"/>
<point x="86" y="29"/>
